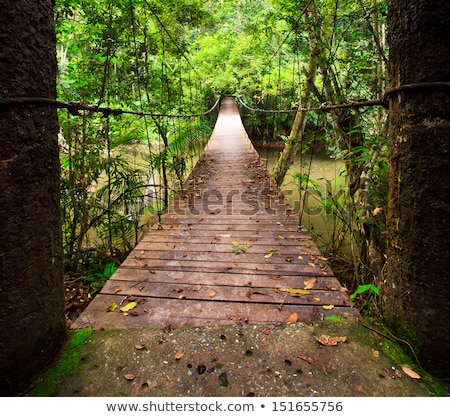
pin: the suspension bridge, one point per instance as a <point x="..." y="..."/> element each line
<point x="228" y="249"/>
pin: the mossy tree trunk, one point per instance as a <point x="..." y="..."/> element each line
<point x="416" y="288"/>
<point x="32" y="322"/>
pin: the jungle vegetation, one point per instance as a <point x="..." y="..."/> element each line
<point x="178" y="57"/>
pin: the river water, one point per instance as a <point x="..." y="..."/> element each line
<point x="327" y="177"/>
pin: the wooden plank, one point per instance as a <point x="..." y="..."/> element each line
<point x="229" y="278"/>
<point x="244" y="294"/>
<point x="180" y="313"/>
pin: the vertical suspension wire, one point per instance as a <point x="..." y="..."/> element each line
<point x="152" y="179"/>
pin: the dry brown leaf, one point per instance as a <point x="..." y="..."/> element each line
<point x="139" y="347"/>
<point x="179" y="354"/>
<point x="212" y="293"/>
<point x="306" y="359"/>
<point x="182" y="297"/>
<point x="331" y="340"/>
<point x="300" y="258"/>
<point x="309" y="284"/>
<point x="292" y="318"/>
<point x="408" y="371"/>
<point x="117" y="290"/>
<point x="289" y="259"/>
<point x="130" y="377"/>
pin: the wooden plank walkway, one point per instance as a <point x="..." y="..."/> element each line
<point x="230" y="250"/>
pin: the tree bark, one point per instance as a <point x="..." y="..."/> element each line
<point x="32" y="318"/>
<point x="416" y="291"/>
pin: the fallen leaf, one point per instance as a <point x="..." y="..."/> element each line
<point x="134" y="313"/>
<point x="130" y="377"/>
<point x="328" y="307"/>
<point x="408" y="371"/>
<point x="249" y="245"/>
<point x="112" y="307"/>
<point x="197" y="288"/>
<point x="292" y="318"/>
<point x="142" y="252"/>
<point x="309" y="283"/>
<point x="317" y="299"/>
<point x="295" y="291"/>
<point x="268" y="255"/>
<point x="376" y="211"/>
<point x="182" y="297"/>
<point x="306" y="359"/>
<point x="225" y="235"/>
<point x="179" y="354"/>
<point x="300" y="258"/>
<point x="117" y="290"/>
<point x="139" y="347"/>
<point x="129" y="306"/>
<point x="331" y="340"/>
<point x="212" y="293"/>
<point x="281" y="237"/>
<point x="289" y="259"/>
<point x="234" y="243"/>
<point x="322" y="258"/>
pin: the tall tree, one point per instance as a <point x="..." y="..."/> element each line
<point x="416" y="290"/>
<point x="32" y="322"/>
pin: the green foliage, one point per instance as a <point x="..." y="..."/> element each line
<point x="98" y="279"/>
<point x="363" y="288"/>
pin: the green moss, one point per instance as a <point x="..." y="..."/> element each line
<point x="399" y="356"/>
<point x="65" y="365"/>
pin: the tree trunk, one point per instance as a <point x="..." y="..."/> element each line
<point x="416" y="291"/>
<point x="32" y="318"/>
<point x="292" y="144"/>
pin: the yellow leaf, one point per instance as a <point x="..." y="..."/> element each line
<point x="249" y="245"/>
<point x="248" y="181"/>
<point x="112" y="307"/>
<point x="300" y="258"/>
<point x="328" y="307"/>
<point x="179" y="354"/>
<point x="408" y="371"/>
<point x="268" y="255"/>
<point x="292" y="318"/>
<point x="212" y="293"/>
<point x="309" y="283"/>
<point x="295" y="291"/>
<point x="129" y="306"/>
<point x="280" y="237"/>
<point x="234" y="243"/>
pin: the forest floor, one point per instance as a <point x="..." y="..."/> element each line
<point x="342" y="359"/>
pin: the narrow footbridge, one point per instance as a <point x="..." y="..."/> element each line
<point x="228" y="250"/>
